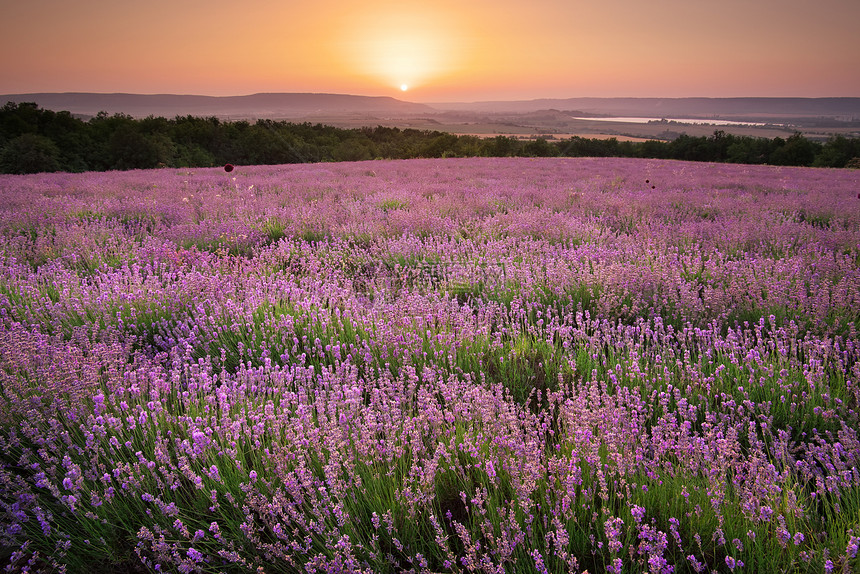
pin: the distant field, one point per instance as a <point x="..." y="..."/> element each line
<point x="531" y="135"/>
<point x="471" y="365"/>
<point x="524" y="125"/>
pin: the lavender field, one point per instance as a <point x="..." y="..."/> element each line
<point x="476" y="365"/>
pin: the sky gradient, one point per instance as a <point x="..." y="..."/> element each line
<point x="444" y="50"/>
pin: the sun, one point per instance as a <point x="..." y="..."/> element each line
<point x="400" y="47"/>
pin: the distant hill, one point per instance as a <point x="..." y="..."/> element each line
<point x="271" y="106"/>
<point x="332" y="108"/>
<point x="846" y="108"/>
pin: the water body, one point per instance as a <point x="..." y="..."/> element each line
<point x="710" y="122"/>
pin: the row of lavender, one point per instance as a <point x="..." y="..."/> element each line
<point x="465" y="365"/>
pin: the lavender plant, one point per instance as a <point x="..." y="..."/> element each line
<point x="480" y="365"/>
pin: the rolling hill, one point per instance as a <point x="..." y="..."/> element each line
<point x="271" y="106"/>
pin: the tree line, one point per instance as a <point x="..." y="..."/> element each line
<point x="35" y="140"/>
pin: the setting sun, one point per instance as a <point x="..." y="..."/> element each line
<point x="399" y="47"/>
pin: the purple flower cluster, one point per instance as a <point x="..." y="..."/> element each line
<point x="466" y="365"/>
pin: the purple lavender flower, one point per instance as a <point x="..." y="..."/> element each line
<point x="195" y="555"/>
<point x="513" y="345"/>
<point x="798" y="538"/>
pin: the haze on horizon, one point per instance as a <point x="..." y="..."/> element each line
<point x="446" y="50"/>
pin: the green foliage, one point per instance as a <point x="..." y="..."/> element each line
<point x="838" y="151"/>
<point x="501" y="146"/>
<point x="585" y="147"/>
<point x="30" y="153"/>
<point x="796" y="151"/>
<point x="540" y="148"/>
<point x="34" y="140"/>
<point x="130" y="149"/>
<point x="749" y="150"/>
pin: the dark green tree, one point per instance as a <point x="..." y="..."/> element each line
<point x="501" y="146"/>
<point x="837" y="152"/>
<point x="797" y="150"/>
<point x="748" y="150"/>
<point x="539" y="148"/>
<point x="130" y="149"/>
<point x="267" y="143"/>
<point x="352" y="149"/>
<point x="19" y="118"/>
<point x="29" y="153"/>
<point x="441" y="145"/>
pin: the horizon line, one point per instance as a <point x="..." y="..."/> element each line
<point x="430" y="102"/>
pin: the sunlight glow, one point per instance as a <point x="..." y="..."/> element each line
<point x="444" y="50"/>
<point x="400" y="47"/>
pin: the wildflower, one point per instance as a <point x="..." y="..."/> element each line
<point x="783" y="536"/>
<point x="658" y="563"/>
<point x="491" y="470"/>
<point x="798" y="538"/>
<point x="539" y="563"/>
<point x="853" y="546"/>
<point x="195" y="555"/>
<point x="612" y="529"/>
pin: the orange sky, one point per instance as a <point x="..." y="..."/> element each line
<point x="447" y="50"/>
